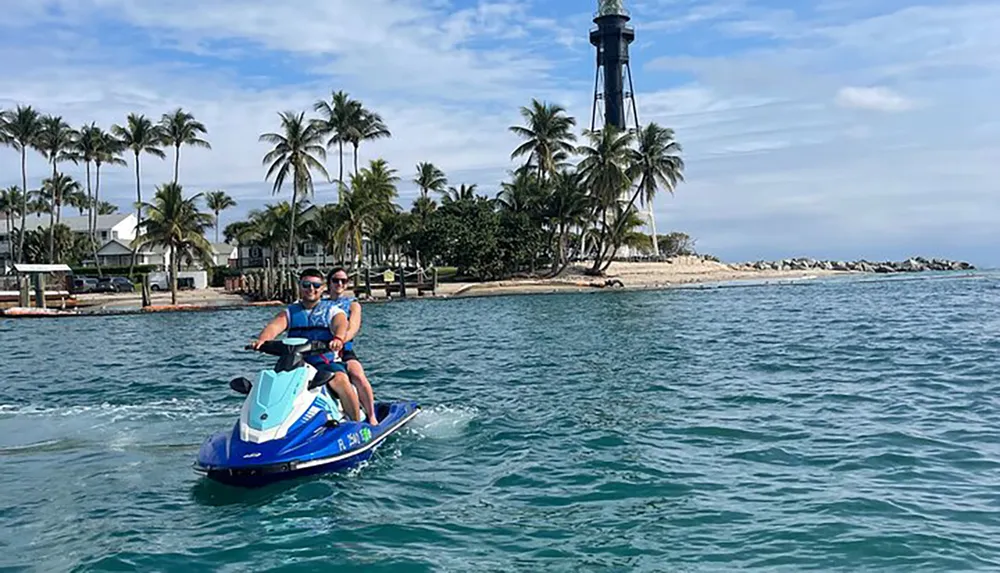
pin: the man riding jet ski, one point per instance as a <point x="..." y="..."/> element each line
<point x="301" y="416"/>
<point x="317" y="319"/>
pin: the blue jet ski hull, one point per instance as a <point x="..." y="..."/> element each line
<point x="313" y="445"/>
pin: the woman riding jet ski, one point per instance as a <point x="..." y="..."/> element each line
<point x="290" y="423"/>
<point x="315" y="318"/>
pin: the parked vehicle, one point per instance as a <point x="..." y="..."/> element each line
<point x="114" y="284"/>
<point x="159" y="281"/>
<point x="83" y="285"/>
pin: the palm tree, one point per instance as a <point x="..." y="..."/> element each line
<point x="568" y="206"/>
<point x="324" y="229"/>
<point x="77" y="199"/>
<point x="604" y="168"/>
<point x="38" y="203"/>
<point x="298" y="150"/>
<point x="57" y="141"/>
<point x="656" y="163"/>
<point x="176" y="224"/>
<point x="381" y="180"/>
<point x="55" y="190"/>
<point x="265" y="228"/>
<point x="366" y="125"/>
<point x="11" y="204"/>
<point x="549" y="133"/>
<point x="338" y="116"/>
<point x="107" y="149"/>
<point x="392" y="230"/>
<point x="461" y="193"/>
<point x="430" y="178"/>
<point x="179" y="128"/>
<point x="359" y="211"/>
<point x="524" y="194"/>
<point x="422" y="208"/>
<point x="86" y="144"/>
<point x="20" y="130"/>
<point x="141" y="136"/>
<point x="218" y="201"/>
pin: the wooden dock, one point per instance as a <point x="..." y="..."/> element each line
<point x="368" y="283"/>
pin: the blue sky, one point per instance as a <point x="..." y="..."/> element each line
<point x="838" y="128"/>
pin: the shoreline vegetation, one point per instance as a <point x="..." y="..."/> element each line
<point x="676" y="272"/>
<point x="571" y="214"/>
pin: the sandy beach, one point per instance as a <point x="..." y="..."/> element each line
<point x="678" y="271"/>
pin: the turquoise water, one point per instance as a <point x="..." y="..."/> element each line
<point x="837" y="425"/>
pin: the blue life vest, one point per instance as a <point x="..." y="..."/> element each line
<point x="313" y="324"/>
<point x="344" y="303"/>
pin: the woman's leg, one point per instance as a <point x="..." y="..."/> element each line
<point x="365" y="393"/>
<point x="341" y="386"/>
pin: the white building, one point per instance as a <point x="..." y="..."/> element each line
<point x="117" y="253"/>
<point x="120" y="228"/>
<point x="225" y="255"/>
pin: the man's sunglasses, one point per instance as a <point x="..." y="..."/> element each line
<point x="307" y="284"/>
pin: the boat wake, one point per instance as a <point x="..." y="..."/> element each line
<point x="442" y="422"/>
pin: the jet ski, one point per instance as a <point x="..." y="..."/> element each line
<point x="292" y="425"/>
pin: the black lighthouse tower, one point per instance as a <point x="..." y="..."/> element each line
<point x="612" y="38"/>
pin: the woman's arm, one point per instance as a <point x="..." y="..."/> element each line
<point x="355" y="322"/>
<point x="339" y="328"/>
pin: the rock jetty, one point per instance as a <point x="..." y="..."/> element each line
<point x="911" y="265"/>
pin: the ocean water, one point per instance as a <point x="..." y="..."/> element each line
<point x="832" y="425"/>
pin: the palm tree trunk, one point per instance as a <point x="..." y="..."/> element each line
<point x="357" y="248"/>
<point x="355" y="159"/>
<point x="52" y="236"/>
<point x="138" y="212"/>
<point x="177" y="161"/>
<point x="564" y="255"/>
<point x="52" y="217"/>
<point x="341" y="177"/>
<point x="24" y="203"/>
<point x="216" y="226"/>
<point x="638" y="189"/>
<point x="90" y="212"/>
<point x="291" y="237"/>
<point x="173" y="275"/>
<point x="10" y="229"/>
<point x="95" y="208"/>
<point x="613" y="245"/>
<point x="598" y="258"/>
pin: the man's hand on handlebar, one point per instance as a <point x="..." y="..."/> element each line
<point x="336" y="344"/>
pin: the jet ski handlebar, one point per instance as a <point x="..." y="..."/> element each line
<point x="281" y="348"/>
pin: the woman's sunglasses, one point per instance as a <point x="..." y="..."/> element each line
<point x="337" y="281"/>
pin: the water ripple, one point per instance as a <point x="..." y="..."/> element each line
<point x="836" y="425"/>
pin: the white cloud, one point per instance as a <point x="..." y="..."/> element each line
<point x="873" y="182"/>
<point x="779" y="159"/>
<point x="873" y="98"/>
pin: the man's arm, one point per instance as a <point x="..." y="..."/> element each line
<point x="277" y="325"/>
<point x="355" y="321"/>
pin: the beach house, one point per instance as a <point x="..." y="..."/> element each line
<point x="110" y="228"/>
<point x="312" y="252"/>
